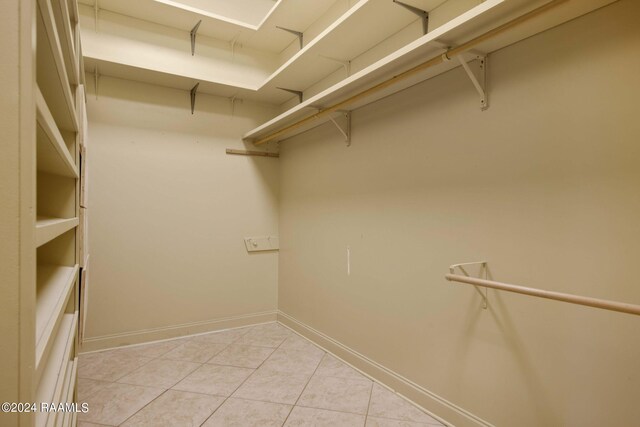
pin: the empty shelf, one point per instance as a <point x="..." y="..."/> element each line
<point x="54" y="285"/>
<point x="67" y="38"/>
<point x="48" y="228"/>
<point x="51" y="72"/>
<point x="51" y="385"/>
<point x="52" y="153"/>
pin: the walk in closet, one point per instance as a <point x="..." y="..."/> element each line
<point x="368" y="213"/>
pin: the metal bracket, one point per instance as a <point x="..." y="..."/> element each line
<point x="193" y="32"/>
<point x="96" y="10"/>
<point x="233" y="43"/>
<point x="295" y="33"/>
<point x="484" y="271"/>
<point x="423" y="14"/>
<point x="96" y="77"/>
<point x="193" y="96"/>
<point x="233" y="101"/>
<point x="346" y="131"/>
<point x="299" y="93"/>
<point x="345" y="64"/>
<point x="480" y="84"/>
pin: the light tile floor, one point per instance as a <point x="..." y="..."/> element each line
<point x="262" y="375"/>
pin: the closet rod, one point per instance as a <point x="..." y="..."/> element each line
<point x="409" y="73"/>
<point x="558" y="296"/>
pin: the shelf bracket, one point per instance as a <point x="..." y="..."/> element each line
<point x="298" y="34"/>
<point x="96" y="77"/>
<point x="346" y="131"/>
<point x="423" y="14"/>
<point x="233" y="42"/>
<point x="479" y="84"/>
<point x="298" y="93"/>
<point x="96" y="10"/>
<point x="193" y="32"/>
<point x="193" y="96"/>
<point x="345" y="64"/>
<point x="233" y="101"/>
<point x="484" y="272"/>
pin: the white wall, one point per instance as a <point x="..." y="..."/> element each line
<point x="544" y="185"/>
<point x="168" y="213"/>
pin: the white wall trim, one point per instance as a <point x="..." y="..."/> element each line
<point x="438" y="407"/>
<point x="175" y="331"/>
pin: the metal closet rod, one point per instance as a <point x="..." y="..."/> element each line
<point x="558" y="296"/>
<point x="421" y="67"/>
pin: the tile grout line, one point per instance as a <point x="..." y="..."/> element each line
<point x="166" y="390"/>
<point x="156" y="358"/>
<point x="367" y="376"/>
<point x="242" y="383"/>
<point x="290" y="334"/>
<point x="366" y="416"/>
<point x="138" y="411"/>
<point x="305" y="387"/>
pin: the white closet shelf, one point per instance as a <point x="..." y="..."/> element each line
<point x="52" y="153"/>
<point x="66" y="35"/>
<point x="51" y="385"/>
<point x="52" y="76"/>
<point x="487" y="15"/>
<point x="68" y="390"/>
<point x="366" y="24"/>
<point x="48" y="228"/>
<point x="54" y="286"/>
<point x="297" y="15"/>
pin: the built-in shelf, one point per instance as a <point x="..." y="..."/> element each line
<point x="51" y="73"/>
<point x="51" y="385"/>
<point x="52" y="153"/>
<point x="54" y="286"/>
<point x="366" y="24"/>
<point x="67" y="38"/>
<point x="297" y="15"/>
<point x="48" y="228"/>
<point x="487" y="15"/>
<point x="68" y="388"/>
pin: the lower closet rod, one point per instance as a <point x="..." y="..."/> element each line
<point x="558" y="296"/>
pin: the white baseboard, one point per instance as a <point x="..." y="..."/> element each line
<point x="168" y="332"/>
<point x="438" y="407"/>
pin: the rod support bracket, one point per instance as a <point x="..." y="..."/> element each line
<point x="346" y="129"/>
<point x="298" y="93"/>
<point x="484" y="272"/>
<point x="298" y="34"/>
<point x="193" y="96"/>
<point x="193" y="33"/>
<point x="480" y="82"/>
<point x="422" y="14"/>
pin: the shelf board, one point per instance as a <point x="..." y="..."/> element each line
<point x="51" y="72"/>
<point x="48" y="228"/>
<point x="54" y="286"/>
<point x="265" y="37"/>
<point x="485" y="16"/>
<point x="52" y="153"/>
<point x="366" y="24"/>
<point x="67" y="39"/>
<point x="68" y="390"/>
<point x="51" y="385"/>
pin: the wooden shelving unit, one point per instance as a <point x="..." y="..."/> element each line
<point x="52" y="387"/>
<point x="476" y="21"/>
<point x="58" y="138"/>
<point x="51" y="73"/>
<point x="54" y="287"/>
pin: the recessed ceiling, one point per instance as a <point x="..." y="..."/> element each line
<point x="249" y="13"/>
